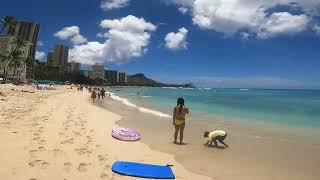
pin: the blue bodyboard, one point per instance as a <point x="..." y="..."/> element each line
<point x="142" y="170"/>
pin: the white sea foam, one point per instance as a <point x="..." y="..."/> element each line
<point x="141" y="109"/>
<point x="123" y="100"/>
<point x="204" y="88"/>
<point x="151" y="111"/>
<point x="169" y="88"/>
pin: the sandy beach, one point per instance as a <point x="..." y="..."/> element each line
<point x="60" y="134"/>
<point x="258" y="151"/>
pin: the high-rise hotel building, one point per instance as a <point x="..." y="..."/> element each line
<point x="60" y="56"/>
<point x="28" y="31"/>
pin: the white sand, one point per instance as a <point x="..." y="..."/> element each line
<point x="61" y="135"/>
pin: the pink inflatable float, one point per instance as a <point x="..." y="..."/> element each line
<point x="125" y="134"/>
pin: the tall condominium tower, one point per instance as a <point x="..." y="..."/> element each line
<point x="28" y="31"/>
<point x="60" y="56"/>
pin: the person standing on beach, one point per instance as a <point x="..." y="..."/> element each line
<point x="93" y="95"/>
<point x="179" y="113"/>
<point x="214" y="136"/>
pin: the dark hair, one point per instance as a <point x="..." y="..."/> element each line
<point x="206" y="134"/>
<point x="180" y="103"/>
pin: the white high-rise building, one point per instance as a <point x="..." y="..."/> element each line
<point x="97" y="71"/>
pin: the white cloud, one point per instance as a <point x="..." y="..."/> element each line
<point x="183" y="10"/>
<point x="177" y="40"/>
<point x="283" y="23"/>
<point x="316" y="28"/>
<point x="129" y="23"/>
<point x="245" y="35"/>
<point x="100" y="35"/>
<point x="72" y="33"/>
<point x="40" y="55"/>
<point x="107" y="5"/>
<point x="184" y="3"/>
<point x="233" y="16"/>
<point x="126" y="38"/>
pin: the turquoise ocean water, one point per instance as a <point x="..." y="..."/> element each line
<point x="288" y="107"/>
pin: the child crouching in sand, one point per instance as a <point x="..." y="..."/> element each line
<point x="214" y="136"/>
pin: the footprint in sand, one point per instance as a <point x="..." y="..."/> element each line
<point x="83" y="167"/>
<point x="33" y="152"/>
<point x="76" y="133"/>
<point x="39" y="163"/>
<point x="39" y="131"/>
<point x="104" y="176"/>
<point x="89" y="142"/>
<point x="42" y="142"/>
<point x="36" y="138"/>
<point x="102" y="158"/>
<point x="82" y="151"/>
<point x="107" y="167"/>
<point x="41" y="148"/>
<point x="67" y="166"/>
<point x="63" y="135"/>
<point x="35" y="124"/>
<point x="45" y="119"/>
<point x="57" y="152"/>
<point x="69" y="141"/>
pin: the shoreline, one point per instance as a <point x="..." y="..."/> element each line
<point x="304" y="132"/>
<point x="64" y="136"/>
<point x="161" y="105"/>
<point x="249" y="144"/>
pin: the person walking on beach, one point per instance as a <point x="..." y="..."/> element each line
<point x="179" y="113"/>
<point x="98" y="93"/>
<point x="214" y="136"/>
<point x="93" y="95"/>
<point x="103" y="93"/>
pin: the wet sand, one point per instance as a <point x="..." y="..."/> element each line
<point x="257" y="151"/>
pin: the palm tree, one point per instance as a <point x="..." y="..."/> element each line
<point x="17" y="61"/>
<point x="6" y="21"/>
<point x="13" y="59"/>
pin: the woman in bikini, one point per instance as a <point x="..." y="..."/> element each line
<point x="179" y="113"/>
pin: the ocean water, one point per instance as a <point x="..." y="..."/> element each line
<point x="287" y="107"/>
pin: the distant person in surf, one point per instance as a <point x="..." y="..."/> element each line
<point x="179" y="113"/>
<point x="93" y="95"/>
<point x="214" y="137"/>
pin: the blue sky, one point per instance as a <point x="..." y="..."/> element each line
<point x="239" y="43"/>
